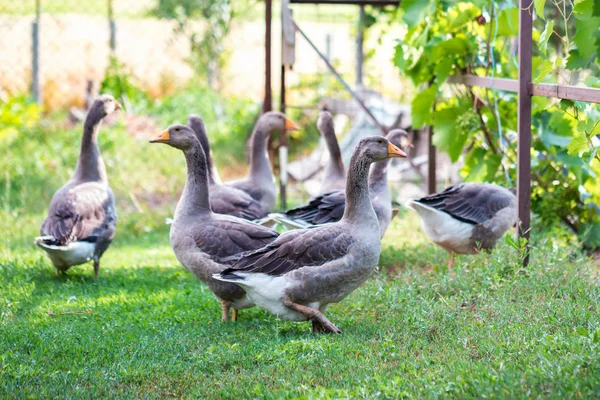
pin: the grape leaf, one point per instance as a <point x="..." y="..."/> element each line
<point x="578" y="144"/>
<point x="539" y="7"/>
<point x="546" y="67"/>
<point x="543" y="43"/>
<point x="508" y="22"/>
<point x="422" y="105"/>
<point x="442" y="70"/>
<point x="413" y="11"/>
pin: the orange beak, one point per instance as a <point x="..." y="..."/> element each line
<point x="395" y="152"/>
<point x="290" y="125"/>
<point x="118" y="105"/>
<point x="163" y="137"/>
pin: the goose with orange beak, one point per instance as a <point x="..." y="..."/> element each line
<point x="260" y="182"/>
<point x="303" y="271"/>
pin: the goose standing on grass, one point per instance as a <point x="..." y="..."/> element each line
<point x="329" y="207"/>
<point x="205" y="242"/>
<point x="334" y="177"/>
<point x="301" y="272"/>
<point x="224" y="199"/>
<point x="260" y="182"/>
<point x="82" y="218"/>
<point x="467" y="217"/>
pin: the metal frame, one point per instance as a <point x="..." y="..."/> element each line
<point x="523" y="86"/>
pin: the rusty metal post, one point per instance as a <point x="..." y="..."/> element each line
<point x="268" y="101"/>
<point x="283" y="149"/>
<point x="36" y="89"/>
<point x="431" y="162"/>
<point x="360" y="36"/>
<point x="524" y="126"/>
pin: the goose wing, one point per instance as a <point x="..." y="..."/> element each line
<point x="322" y="209"/>
<point x="295" y="249"/>
<point x="230" y="201"/>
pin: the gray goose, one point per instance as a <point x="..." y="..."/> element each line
<point x="82" y="218"/>
<point x="467" y="217"/>
<point x="205" y="242"/>
<point x="329" y="207"/>
<point x="260" y="183"/>
<point x="224" y="199"/>
<point x="334" y="177"/>
<point x="301" y="272"/>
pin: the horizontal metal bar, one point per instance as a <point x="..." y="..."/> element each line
<point x="374" y="3"/>
<point x="567" y="92"/>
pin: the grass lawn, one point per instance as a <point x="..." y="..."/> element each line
<point x="147" y="328"/>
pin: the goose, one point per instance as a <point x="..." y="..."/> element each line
<point x="467" y="217"/>
<point x="82" y="217"/>
<point x="205" y="242"/>
<point x="260" y="183"/>
<point x="334" y="177"/>
<point x="329" y="207"/>
<point x="224" y="199"/>
<point x="296" y="276"/>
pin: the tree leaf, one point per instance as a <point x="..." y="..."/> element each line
<point x="422" y="105"/>
<point x="539" y="7"/>
<point x="578" y="144"/>
<point x="508" y="22"/>
<point x="399" y="60"/>
<point x="413" y="11"/>
<point x="543" y="43"/>
<point x="492" y="163"/>
<point x="546" y="67"/>
<point x="442" y="70"/>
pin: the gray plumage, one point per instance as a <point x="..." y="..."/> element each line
<point x="82" y="218"/>
<point x="204" y="242"/>
<point x="260" y="182"/>
<point x="334" y="177"/>
<point x="479" y="214"/>
<point x="329" y="207"/>
<point x="224" y="199"/>
<point x="303" y="271"/>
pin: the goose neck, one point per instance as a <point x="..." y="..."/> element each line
<point x="194" y="198"/>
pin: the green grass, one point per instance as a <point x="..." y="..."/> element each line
<point x="147" y="328"/>
<point x="151" y="329"/>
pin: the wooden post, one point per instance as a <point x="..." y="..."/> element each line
<point x="36" y="90"/>
<point x="112" y="26"/>
<point x="359" y="45"/>
<point x="524" y="126"/>
<point x="431" y="162"/>
<point x="268" y="101"/>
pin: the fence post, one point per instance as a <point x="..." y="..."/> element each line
<point x="36" y="91"/>
<point x="524" y="126"/>
<point x="112" y="26"/>
<point x="268" y="101"/>
<point x="431" y="162"/>
<point x="359" y="46"/>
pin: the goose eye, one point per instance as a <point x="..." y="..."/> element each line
<point x="176" y="129"/>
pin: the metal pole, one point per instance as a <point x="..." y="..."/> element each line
<point x="359" y="45"/>
<point x="431" y="162"/>
<point x="524" y="126"/>
<point x="268" y="102"/>
<point x="283" y="150"/>
<point x="35" y="55"/>
<point x="342" y="81"/>
<point x="112" y="26"/>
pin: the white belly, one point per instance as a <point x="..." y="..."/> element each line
<point x="267" y="292"/>
<point x="74" y="253"/>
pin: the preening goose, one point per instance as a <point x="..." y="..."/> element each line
<point x="82" y="218"/>
<point x="301" y="272"/>
<point x="467" y="217"/>
<point x="334" y="177"/>
<point x="329" y="207"/>
<point x="205" y="242"/>
<point x="224" y="199"/>
<point x="260" y="183"/>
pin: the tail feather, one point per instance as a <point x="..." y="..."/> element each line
<point x="228" y="276"/>
<point x="289" y="223"/>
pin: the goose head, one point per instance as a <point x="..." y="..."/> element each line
<point x="399" y="138"/>
<point x="325" y="122"/>
<point x="378" y="148"/>
<point x="103" y="105"/>
<point x="179" y="136"/>
<point x="275" y="121"/>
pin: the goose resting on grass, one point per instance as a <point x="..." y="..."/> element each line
<point x="224" y="199"/>
<point x="334" y="177"/>
<point x="301" y="272"/>
<point x="467" y="217"/>
<point x="329" y="207"/>
<point x="204" y="242"/>
<point x="260" y="182"/>
<point x="82" y="218"/>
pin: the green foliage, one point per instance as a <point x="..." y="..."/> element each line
<point x="148" y="329"/>
<point x="120" y="82"/>
<point x="480" y="125"/>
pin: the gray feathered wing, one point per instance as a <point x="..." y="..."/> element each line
<point x="294" y="250"/>
<point x="81" y="213"/>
